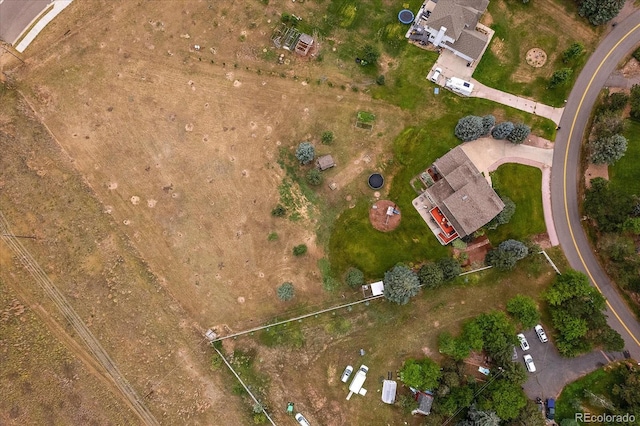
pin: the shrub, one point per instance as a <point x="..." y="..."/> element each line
<point x="285" y="291"/>
<point x="572" y="52"/>
<point x="519" y="133"/>
<point x="607" y="124"/>
<point x="488" y="121"/>
<point x="354" y="278"/>
<point x="505" y="214"/>
<point x="560" y="77"/>
<point x="273" y="236"/>
<point x="430" y="275"/>
<point x="502" y="130"/>
<point x="370" y="54"/>
<point x="299" y="250"/>
<point x="380" y="80"/>
<point x="519" y="249"/>
<point x="636" y="54"/>
<point x="327" y="137"/>
<point x="469" y="128"/>
<point x="279" y="211"/>
<point x="314" y="177"/>
<point x="450" y="268"/>
<point x="608" y="150"/>
<point x="305" y="153"/>
<point x="599" y="12"/>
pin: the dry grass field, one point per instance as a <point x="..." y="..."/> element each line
<point x="147" y="170"/>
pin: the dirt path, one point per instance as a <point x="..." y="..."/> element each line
<point x="94" y="346"/>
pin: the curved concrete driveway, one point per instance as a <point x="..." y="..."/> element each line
<point x="565" y="174"/>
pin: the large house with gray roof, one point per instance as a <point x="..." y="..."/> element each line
<point x="458" y="200"/>
<point x="452" y="25"/>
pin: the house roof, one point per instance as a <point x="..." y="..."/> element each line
<point x="456" y="16"/>
<point x="463" y="195"/>
<point x="470" y="43"/>
<point x="425" y="401"/>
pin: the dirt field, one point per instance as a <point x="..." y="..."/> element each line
<point x="149" y="194"/>
<point x="154" y="199"/>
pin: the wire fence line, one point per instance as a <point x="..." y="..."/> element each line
<point x="244" y="386"/>
<point x="322" y="311"/>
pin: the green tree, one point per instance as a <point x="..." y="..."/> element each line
<point x="299" y="250"/>
<point x="305" y="153"/>
<point x="380" y="80"/>
<point x="608" y="150"/>
<point x="476" y="417"/>
<point x="507" y="399"/>
<point x="498" y="334"/>
<point x="422" y="375"/>
<point x="576" y="49"/>
<point x="505" y="214"/>
<point x="530" y="415"/>
<point x="632" y="224"/>
<point x="469" y="128"/>
<point x="560" y="77"/>
<point x="314" y="177"/>
<point x="607" y="205"/>
<point x="430" y="275"/>
<point x="327" y="137"/>
<point x="519" y="249"/>
<point x="285" y="291"/>
<point x="450" y="268"/>
<point x="354" y="277"/>
<point x="519" y="133"/>
<point x="458" y="398"/>
<point x="599" y="12"/>
<point x="570" y="285"/>
<point x="607" y="123"/>
<point x="455" y="348"/>
<point x="524" y="309"/>
<point x="502" y="130"/>
<point x="400" y="284"/>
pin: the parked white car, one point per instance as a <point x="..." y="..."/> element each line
<point x="541" y="334"/>
<point x="300" y="418"/>
<point x="346" y="374"/>
<point x="523" y="342"/>
<point x="436" y="75"/>
<point x="528" y="361"/>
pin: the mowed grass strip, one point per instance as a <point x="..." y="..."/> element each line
<point x="523" y="185"/>
<point x="625" y="173"/>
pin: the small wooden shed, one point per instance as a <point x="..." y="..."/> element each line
<point x="325" y="162"/>
<point x="304" y="44"/>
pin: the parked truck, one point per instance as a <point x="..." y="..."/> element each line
<point x="358" y="381"/>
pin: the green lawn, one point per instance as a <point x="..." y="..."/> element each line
<point x="520" y="26"/>
<point x="354" y="242"/>
<point x="625" y="173"/>
<point x="523" y="185"/>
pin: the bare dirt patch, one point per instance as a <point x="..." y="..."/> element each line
<point x="536" y="57"/>
<point x="379" y="217"/>
<point x="595" y="171"/>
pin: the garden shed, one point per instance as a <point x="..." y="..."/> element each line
<point x="325" y="162"/>
<point x="373" y="289"/>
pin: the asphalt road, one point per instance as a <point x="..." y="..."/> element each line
<point x="566" y="168"/>
<point x="16" y="15"/>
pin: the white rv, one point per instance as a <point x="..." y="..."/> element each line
<point x="358" y="381"/>
<point x="459" y="86"/>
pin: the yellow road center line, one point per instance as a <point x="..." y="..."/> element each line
<point x="566" y="158"/>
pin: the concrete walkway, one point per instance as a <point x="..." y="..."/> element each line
<point x="488" y="154"/>
<point x="41" y="22"/>
<point x="523" y="104"/>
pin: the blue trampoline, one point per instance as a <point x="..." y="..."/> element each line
<point x="405" y="16"/>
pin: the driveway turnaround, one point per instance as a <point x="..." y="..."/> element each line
<point x="566" y="174"/>
<point x="553" y="371"/>
<point x="523" y="104"/>
<point x="487" y="154"/>
<point x="17" y="15"/>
